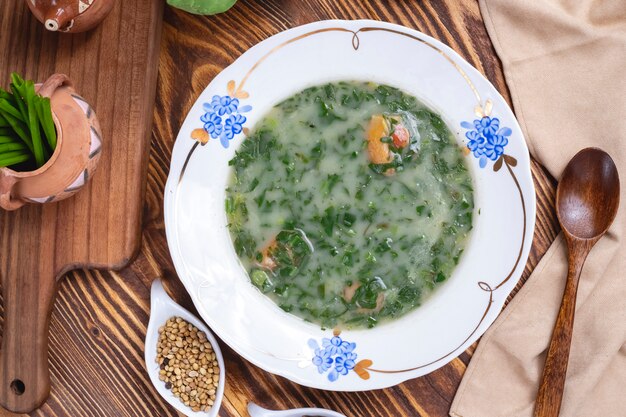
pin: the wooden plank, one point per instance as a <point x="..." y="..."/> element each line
<point x="99" y="319"/>
<point x="114" y="68"/>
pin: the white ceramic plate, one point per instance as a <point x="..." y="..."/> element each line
<point x="458" y="313"/>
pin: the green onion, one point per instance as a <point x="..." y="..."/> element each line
<point x="7" y="108"/>
<point x="6" y="147"/>
<point x="33" y="124"/>
<point x="16" y="80"/>
<point x="12" y="158"/>
<point x="8" y="97"/>
<point x="19" y="94"/>
<point x="25" y="121"/>
<point x="44" y="110"/>
<point x="19" y="101"/>
<point x="7" y="139"/>
<point x="5" y="94"/>
<point x="19" y="127"/>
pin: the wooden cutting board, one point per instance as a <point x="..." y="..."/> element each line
<point x="114" y="67"/>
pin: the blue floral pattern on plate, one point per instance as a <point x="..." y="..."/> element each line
<point x="223" y="118"/>
<point x="486" y="139"/>
<point x="337" y="357"/>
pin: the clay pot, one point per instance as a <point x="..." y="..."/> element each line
<point x="70" y="15"/>
<point x="74" y="160"/>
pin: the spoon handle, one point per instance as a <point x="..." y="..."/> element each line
<point x="550" y="393"/>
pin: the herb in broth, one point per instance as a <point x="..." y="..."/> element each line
<point x="349" y="204"/>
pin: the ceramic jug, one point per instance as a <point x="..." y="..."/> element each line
<point x="71" y="166"/>
<point x="70" y="15"/>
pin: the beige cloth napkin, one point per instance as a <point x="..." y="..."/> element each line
<point x="565" y="65"/>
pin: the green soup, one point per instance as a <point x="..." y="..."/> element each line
<point x="349" y="204"/>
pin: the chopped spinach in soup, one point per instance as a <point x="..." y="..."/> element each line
<point x="349" y="204"/>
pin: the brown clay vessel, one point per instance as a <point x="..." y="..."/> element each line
<point x="70" y="15"/>
<point x="79" y="143"/>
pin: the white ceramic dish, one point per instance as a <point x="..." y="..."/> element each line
<point x="162" y="308"/>
<point x="458" y="313"/>
<point x="256" y="411"/>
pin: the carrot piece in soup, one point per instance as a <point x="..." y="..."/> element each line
<point x="378" y="151"/>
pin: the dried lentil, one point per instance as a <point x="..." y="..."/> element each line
<point x="188" y="364"/>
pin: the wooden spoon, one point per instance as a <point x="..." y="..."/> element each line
<point x="587" y="199"/>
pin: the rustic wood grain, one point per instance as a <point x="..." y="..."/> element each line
<point x="99" y="318"/>
<point x="591" y="178"/>
<point x="550" y="394"/>
<point x="101" y="226"/>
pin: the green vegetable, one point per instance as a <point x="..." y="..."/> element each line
<point x="7" y="139"/>
<point x="25" y="121"/>
<point x="290" y="252"/>
<point x="44" y="112"/>
<point x="18" y="127"/>
<point x="329" y="183"/>
<point x="11" y="158"/>
<point x="19" y="94"/>
<point x="259" y="277"/>
<point x="12" y="147"/>
<point x="329" y="238"/>
<point x="366" y="295"/>
<point x="7" y="108"/>
<point x="328" y="220"/>
<point x="33" y="123"/>
<point x="327" y="113"/>
<point x="408" y="295"/>
<point x="204" y="7"/>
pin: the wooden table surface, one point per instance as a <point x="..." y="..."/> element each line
<point x="100" y="318"/>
